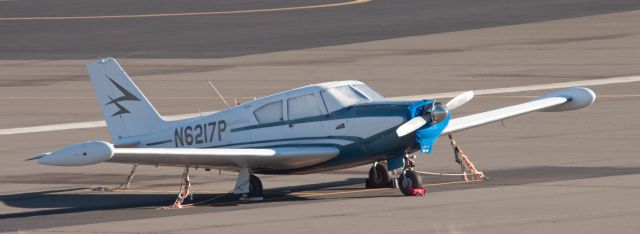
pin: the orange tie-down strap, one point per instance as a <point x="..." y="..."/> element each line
<point x="477" y="175"/>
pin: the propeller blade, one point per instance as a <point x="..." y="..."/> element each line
<point x="410" y="126"/>
<point x="459" y="100"/>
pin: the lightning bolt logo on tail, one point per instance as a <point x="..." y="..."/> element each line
<point x="126" y="96"/>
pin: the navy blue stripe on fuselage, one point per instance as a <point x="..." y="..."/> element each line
<point x="159" y="142"/>
<point x="346" y="138"/>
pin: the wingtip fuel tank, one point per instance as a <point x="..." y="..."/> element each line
<point x="86" y="153"/>
<point x="578" y="97"/>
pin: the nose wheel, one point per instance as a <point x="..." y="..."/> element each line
<point x="410" y="183"/>
<point x="379" y="176"/>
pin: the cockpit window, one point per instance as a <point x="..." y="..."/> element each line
<point x="269" y="113"/>
<point x="303" y="106"/>
<point x="367" y="91"/>
<point x="342" y="96"/>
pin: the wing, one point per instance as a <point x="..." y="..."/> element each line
<point x="272" y="158"/>
<point x="93" y="152"/>
<point x="563" y="100"/>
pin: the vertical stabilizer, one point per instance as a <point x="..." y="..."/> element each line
<point x="125" y="109"/>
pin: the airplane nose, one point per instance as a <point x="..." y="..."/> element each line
<point x="435" y="112"/>
<point x="428" y="119"/>
<point x="423" y="113"/>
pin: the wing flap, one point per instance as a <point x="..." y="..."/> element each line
<point x="272" y="158"/>
<point x="463" y="123"/>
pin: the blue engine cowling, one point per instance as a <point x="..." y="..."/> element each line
<point x="437" y="116"/>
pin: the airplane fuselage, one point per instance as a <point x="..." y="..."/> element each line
<point x="363" y="133"/>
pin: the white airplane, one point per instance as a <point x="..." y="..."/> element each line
<point x="315" y="128"/>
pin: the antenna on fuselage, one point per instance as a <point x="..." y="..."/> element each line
<point x="219" y="94"/>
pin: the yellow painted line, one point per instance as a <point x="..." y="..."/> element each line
<point x="303" y="193"/>
<point x="298" y="194"/>
<point x="366" y="190"/>
<point x="317" y="194"/>
<point x="249" y="98"/>
<point x="161" y="191"/>
<point x="96" y="124"/>
<point x="453" y="182"/>
<point x="187" y="13"/>
<point x="597" y="96"/>
<point x="594" y="82"/>
<point x="343" y="192"/>
<point x="93" y="97"/>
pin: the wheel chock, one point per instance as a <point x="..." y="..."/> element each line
<point x="418" y="191"/>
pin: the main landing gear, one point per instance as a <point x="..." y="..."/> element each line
<point x="248" y="186"/>
<point x="379" y="176"/>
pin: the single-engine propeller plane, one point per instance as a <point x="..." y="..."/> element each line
<point x="315" y="128"/>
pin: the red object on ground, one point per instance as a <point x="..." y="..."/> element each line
<point x="418" y="191"/>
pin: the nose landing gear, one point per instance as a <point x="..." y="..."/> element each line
<point x="410" y="182"/>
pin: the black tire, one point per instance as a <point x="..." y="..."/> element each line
<point x="409" y="180"/>
<point x="255" y="187"/>
<point x="379" y="176"/>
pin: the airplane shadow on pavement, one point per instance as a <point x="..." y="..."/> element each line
<point x="73" y="200"/>
<point x="76" y="200"/>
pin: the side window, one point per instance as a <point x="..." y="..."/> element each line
<point x="303" y="106"/>
<point x="269" y="113"/>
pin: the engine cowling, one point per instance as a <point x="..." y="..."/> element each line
<point x="436" y="116"/>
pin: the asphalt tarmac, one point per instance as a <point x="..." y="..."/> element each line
<point x="215" y="36"/>
<point x="570" y="172"/>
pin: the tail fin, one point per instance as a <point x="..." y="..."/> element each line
<point x="125" y="109"/>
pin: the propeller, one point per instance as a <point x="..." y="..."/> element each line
<point x="433" y="114"/>
<point x="459" y="100"/>
<point x="410" y="126"/>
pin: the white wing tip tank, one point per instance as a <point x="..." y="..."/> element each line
<point x="577" y="97"/>
<point x="86" y="153"/>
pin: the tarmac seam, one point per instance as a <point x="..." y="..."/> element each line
<point x="352" y="2"/>
<point x="592" y="82"/>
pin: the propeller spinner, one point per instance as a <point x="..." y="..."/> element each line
<point x="433" y="114"/>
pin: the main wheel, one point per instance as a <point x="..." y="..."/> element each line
<point x="255" y="186"/>
<point x="379" y="176"/>
<point x="409" y="180"/>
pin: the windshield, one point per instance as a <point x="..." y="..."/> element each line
<point x="370" y="93"/>
<point x="339" y="97"/>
